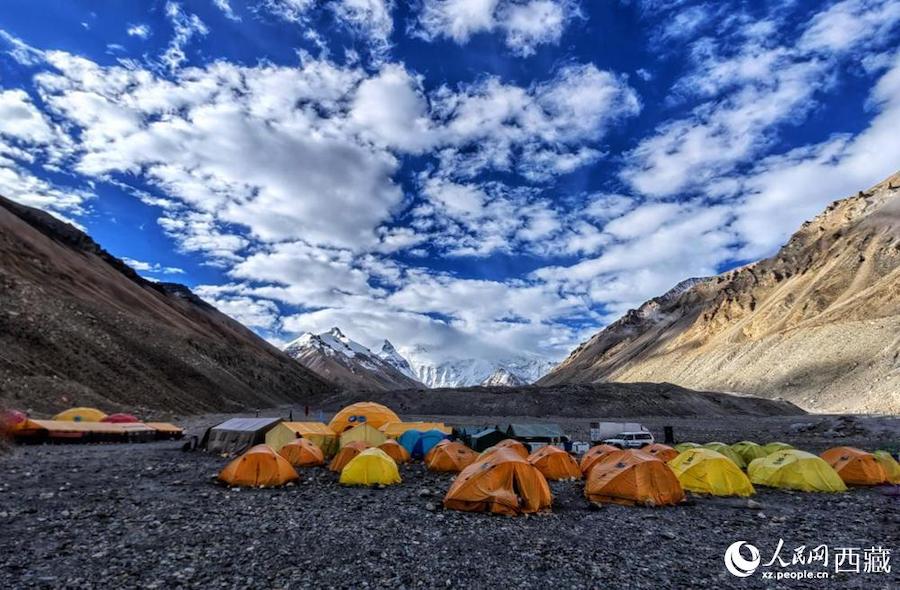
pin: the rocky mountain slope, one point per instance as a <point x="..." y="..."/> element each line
<point x="503" y="378"/>
<point x="434" y="371"/>
<point x="79" y="326"/>
<point x="340" y="360"/>
<point x="818" y="323"/>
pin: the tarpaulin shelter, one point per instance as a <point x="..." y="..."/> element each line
<point x="537" y="433"/>
<point x="514" y="445"/>
<point x="164" y="430"/>
<point x="593" y="455"/>
<point x="396" y="429"/>
<point x="501" y="482"/>
<point x="487" y="438"/>
<point x="80" y="415"/>
<point x="682" y="447"/>
<point x="395" y="451"/>
<point x="369" y="468"/>
<point x="727" y="451"/>
<point x="302" y="453"/>
<point x="633" y="477"/>
<point x="555" y="463"/>
<point x="889" y="464"/>
<point x="707" y="472"/>
<point x="347" y="454"/>
<point x="773" y="447"/>
<point x="749" y="450"/>
<point x="120" y="418"/>
<point x="662" y="452"/>
<point x="364" y="432"/>
<point x="855" y="466"/>
<point x="450" y="457"/>
<point x="362" y="412"/>
<point x="259" y="467"/>
<point x="238" y="434"/>
<point x="317" y="432"/>
<point x="417" y="443"/>
<point x="60" y="431"/>
<point x="795" y="470"/>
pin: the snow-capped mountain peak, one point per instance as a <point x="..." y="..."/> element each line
<point x="503" y="378"/>
<point x="467" y="372"/>
<point x="390" y="355"/>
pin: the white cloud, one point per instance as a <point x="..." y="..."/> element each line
<point x="227" y="10"/>
<point x="405" y="125"/>
<point x="370" y="19"/>
<point x="152" y="267"/>
<point x="20" y="119"/>
<point x="525" y="25"/>
<point x="141" y="31"/>
<point x="186" y="27"/>
<point x="252" y="312"/>
<point x="849" y="23"/>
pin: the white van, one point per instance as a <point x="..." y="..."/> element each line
<point x="630" y="440"/>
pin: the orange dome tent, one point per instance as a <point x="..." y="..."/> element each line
<point x="347" y="454"/>
<point x="80" y="415"/>
<point x="431" y="452"/>
<point x="500" y="482"/>
<point x="664" y="453"/>
<point x="395" y="451"/>
<point x="259" y="467"/>
<point x="593" y="455"/>
<point x="370" y="413"/>
<point x="12" y="421"/>
<point x="856" y="467"/>
<point x="554" y="463"/>
<point x="302" y="453"/>
<point x="633" y="477"/>
<point x="451" y="457"/>
<point x="512" y="444"/>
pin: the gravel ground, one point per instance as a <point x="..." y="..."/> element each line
<point x="150" y="515"/>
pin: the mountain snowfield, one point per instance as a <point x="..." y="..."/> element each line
<point x="337" y="357"/>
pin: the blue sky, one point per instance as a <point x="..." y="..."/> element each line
<point x="476" y="176"/>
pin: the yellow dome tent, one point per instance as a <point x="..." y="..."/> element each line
<point x="364" y="432"/>
<point x="260" y="467"/>
<point x="682" y="447"/>
<point x="316" y="432"/>
<point x="749" y="450"/>
<point x="363" y="412"/>
<point x="705" y="471"/>
<point x="795" y="470"/>
<point x="726" y="450"/>
<point x="369" y="468"/>
<point x="80" y="415"/>
<point x="890" y="465"/>
<point x="774" y="447"/>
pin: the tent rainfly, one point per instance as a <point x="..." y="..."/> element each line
<point x="238" y="434"/>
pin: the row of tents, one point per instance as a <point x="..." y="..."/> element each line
<point x="84" y="425"/>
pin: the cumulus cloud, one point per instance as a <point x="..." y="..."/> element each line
<point x="525" y="25"/>
<point x="152" y="267"/>
<point x="141" y="31"/>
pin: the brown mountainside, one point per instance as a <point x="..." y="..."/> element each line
<point x="78" y="326"/>
<point x="817" y="324"/>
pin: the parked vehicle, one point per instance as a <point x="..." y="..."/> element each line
<point x="631" y="440"/>
<point x="600" y="431"/>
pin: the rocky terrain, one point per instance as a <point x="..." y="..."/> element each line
<point x="816" y="324"/>
<point x="80" y="327"/>
<point x="151" y="516"/>
<point x="347" y="363"/>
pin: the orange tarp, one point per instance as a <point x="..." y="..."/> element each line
<point x="302" y="453"/>
<point x="259" y="467"/>
<point x="856" y="467"/>
<point x="395" y="451"/>
<point x="633" y="477"/>
<point x="451" y="457"/>
<point x="514" y="445"/>
<point x="593" y="455"/>
<point x="555" y="463"/>
<point x="347" y="454"/>
<point x="370" y="413"/>
<point x="664" y="453"/>
<point x="500" y="482"/>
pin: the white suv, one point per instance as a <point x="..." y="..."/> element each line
<point x="631" y="440"/>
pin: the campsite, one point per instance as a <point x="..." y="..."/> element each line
<point x="154" y="515"/>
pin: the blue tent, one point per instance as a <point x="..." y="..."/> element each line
<point x="418" y="443"/>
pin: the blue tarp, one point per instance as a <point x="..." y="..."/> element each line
<point x="418" y="443"/>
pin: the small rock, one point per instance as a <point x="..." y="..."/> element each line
<point x="430" y="507"/>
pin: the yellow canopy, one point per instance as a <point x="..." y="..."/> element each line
<point x="774" y="447"/>
<point x="726" y="450"/>
<point x="795" y="470"/>
<point x="362" y="412"/>
<point x="395" y="429"/>
<point x="891" y="467"/>
<point x="707" y="472"/>
<point x="80" y="415"/>
<point x="371" y="467"/>
<point x="748" y="450"/>
<point x="363" y="432"/>
<point x="316" y="432"/>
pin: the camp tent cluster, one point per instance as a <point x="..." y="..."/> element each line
<point x="85" y="425"/>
